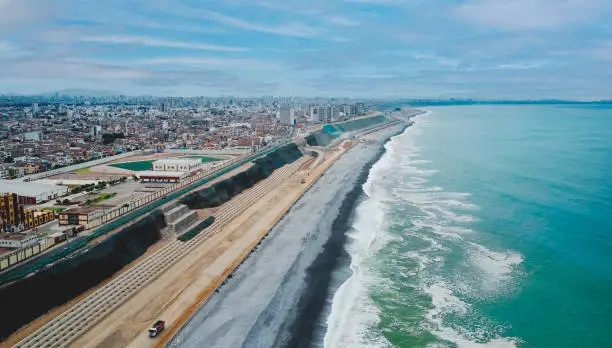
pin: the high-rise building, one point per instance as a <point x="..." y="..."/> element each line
<point x="96" y="131"/>
<point x="286" y="115"/>
<point x="350" y="110"/>
<point x="324" y="113"/>
<point x="334" y="113"/>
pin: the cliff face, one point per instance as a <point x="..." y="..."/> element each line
<point x="225" y="190"/>
<point x="319" y="138"/>
<point x="30" y="297"/>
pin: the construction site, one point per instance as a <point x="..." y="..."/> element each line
<point x="166" y="261"/>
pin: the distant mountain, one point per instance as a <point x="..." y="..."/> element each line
<point x="84" y="92"/>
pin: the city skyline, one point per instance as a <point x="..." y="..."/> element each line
<point x="525" y="49"/>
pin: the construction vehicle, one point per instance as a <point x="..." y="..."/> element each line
<point x="157" y="328"/>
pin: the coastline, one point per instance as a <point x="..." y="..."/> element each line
<point x="267" y="296"/>
<point x="332" y="266"/>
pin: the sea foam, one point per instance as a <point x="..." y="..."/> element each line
<point x="399" y="187"/>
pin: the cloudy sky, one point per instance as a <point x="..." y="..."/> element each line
<point x="361" y="48"/>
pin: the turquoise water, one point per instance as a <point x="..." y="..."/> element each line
<point x="485" y="226"/>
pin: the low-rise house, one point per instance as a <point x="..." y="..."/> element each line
<point x="17" y="240"/>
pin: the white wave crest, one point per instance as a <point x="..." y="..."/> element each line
<point x="440" y="220"/>
<point x="352" y="310"/>
<point x="496" y="267"/>
<point x="445" y="302"/>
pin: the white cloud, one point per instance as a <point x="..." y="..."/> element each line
<point x="64" y="69"/>
<point x="379" y="2"/>
<point x="295" y="29"/>
<point x="150" y="41"/>
<point x="10" y="50"/>
<point x="602" y="51"/>
<point x="527" y="14"/>
<point x="22" y="12"/>
<point x="438" y="60"/>
<point x="231" y="63"/>
<point x="521" y="66"/>
<point x="339" y="20"/>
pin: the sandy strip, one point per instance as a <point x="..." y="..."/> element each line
<point x="170" y="295"/>
<point x="258" y="306"/>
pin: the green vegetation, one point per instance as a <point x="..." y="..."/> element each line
<point x="363" y="123"/>
<point x="204" y="159"/>
<point x="100" y="198"/>
<point x="331" y="129"/>
<point x="329" y="132"/>
<point x="82" y="171"/>
<point x="55" y="209"/>
<point x="137" y="166"/>
<point x="197" y="229"/>
<point x="86" y="187"/>
<point x="116" y="182"/>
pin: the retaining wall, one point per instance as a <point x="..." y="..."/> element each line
<point x="329" y="132"/>
<point x="225" y="190"/>
<point x="28" y="298"/>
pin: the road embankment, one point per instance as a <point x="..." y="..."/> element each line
<point x="225" y="190"/>
<point x="28" y="298"/>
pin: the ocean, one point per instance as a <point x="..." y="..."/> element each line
<point x="484" y="226"/>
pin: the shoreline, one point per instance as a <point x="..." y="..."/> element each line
<point x="258" y="307"/>
<point x="332" y="267"/>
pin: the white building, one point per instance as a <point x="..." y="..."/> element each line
<point x="16" y="240"/>
<point x="286" y="115"/>
<point x="177" y="165"/>
<point x="96" y="131"/>
<point x="162" y="176"/>
<point x="35" y="136"/>
<point x="334" y="113"/>
<point x="42" y="192"/>
<point x="321" y="113"/>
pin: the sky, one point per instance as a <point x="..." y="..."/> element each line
<point x="504" y="49"/>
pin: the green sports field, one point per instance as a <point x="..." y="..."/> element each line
<point x="204" y="159"/>
<point x="137" y="166"/>
<point x="140" y="166"/>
